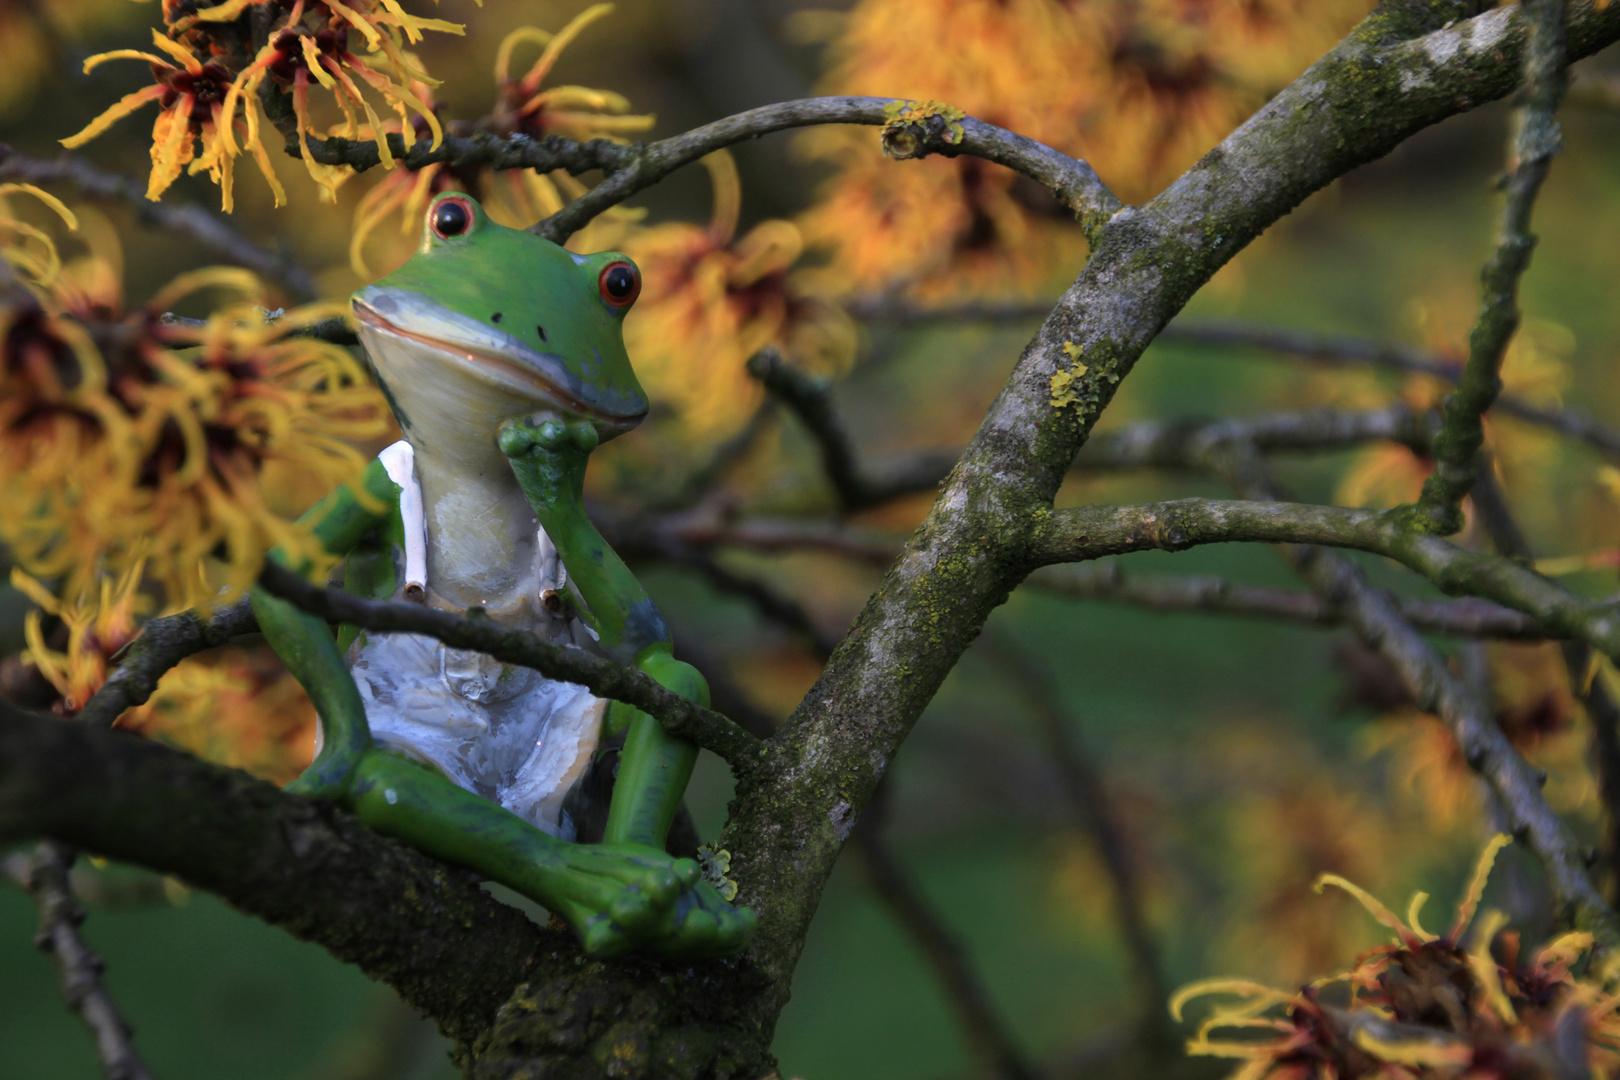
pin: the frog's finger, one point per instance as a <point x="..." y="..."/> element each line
<point x="687" y="871"/>
<point x="515" y="438"/>
<point x="662" y="886"/>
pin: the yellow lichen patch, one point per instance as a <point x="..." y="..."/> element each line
<point x="1064" y="391"/>
<point x="904" y="114"/>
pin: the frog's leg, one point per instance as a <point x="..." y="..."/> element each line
<point x="305" y="645"/>
<point x="654" y="766"/>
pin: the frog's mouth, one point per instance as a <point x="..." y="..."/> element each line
<point x="488" y="353"/>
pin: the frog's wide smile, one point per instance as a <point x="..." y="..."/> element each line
<point x="489" y="353"/>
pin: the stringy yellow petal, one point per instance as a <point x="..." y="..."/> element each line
<point x="1242" y="987"/>
<point x="1476" y="886"/>
<point x="1374" y="908"/>
<point x="119" y="109"/>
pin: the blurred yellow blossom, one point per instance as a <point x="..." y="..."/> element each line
<point x="130" y="439"/>
<point x="712" y="299"/>
<point x="1140" y="88"/>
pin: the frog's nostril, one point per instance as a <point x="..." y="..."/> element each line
<point x="495" y="317"/>
<point x="541" y="331"/>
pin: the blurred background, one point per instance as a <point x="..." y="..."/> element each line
<point x="1236" y="759"/>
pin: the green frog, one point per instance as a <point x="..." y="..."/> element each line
<point x="502" y="357"/>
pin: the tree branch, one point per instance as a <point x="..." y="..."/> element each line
<point x="1083" y="792"/>
<point x="448" y="947"/>
<point x="641" y="165"/>
<point x="810" y="400"/>
<point x="603" y="677"/>
<point x="1536" y="139"/>
<point x="632" y="168"/>
<point x="163" y="643"/>
<point x="1360" y="352"/>
<point x="1435" y="688"/>
<point x="1496" y="517"/>
<point x="211" y="230"/>
<point x="1108" y="581"/>
<point x="1095" y="531"/>
<point x="59" y="918"/>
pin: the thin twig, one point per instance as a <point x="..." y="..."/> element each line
<point x="1374" y="614"/>
<point x="477" y="631"/>
<point x="1082" y="788"/>
<point x="204" y="225"/>
<point x="810" y="399"/>
<point x="1360" y="352"/>
<point x="59" y="918"/>
<point x="1109" y="582"/>
<point x="1092" y="532"/>
<point x="1073" y="181"/>
<point x="163" y="643"/>
<point x="988" y="1041"/>
<point x="1496" y="517"/>
<point x="632" y="168"/>
<point x="1536" y="139"/>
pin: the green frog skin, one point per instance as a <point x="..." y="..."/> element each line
<point x="502" y="356"/>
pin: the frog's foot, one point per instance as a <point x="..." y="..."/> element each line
<point x="623" y="897"/>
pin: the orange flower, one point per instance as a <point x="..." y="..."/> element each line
<point x="1139" y="88"/>
<point x="711" y="300"/>
<point x="299" y="53"/>
<point x="194" y="105"/>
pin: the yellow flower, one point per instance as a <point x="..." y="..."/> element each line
<point x="100" y="619"/>
<point x="237" y="707"/>
<point x="574" y="112"/>
<point x="524" y="196"/>
<point x="129" y="440"/>
<point x="194" y="106"/>
<point x="712" y="299"/>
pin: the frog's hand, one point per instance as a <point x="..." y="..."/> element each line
<point x="629" y="897"/>
<point x="306" y="647"/>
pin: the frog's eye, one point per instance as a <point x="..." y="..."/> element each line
<point x="620" y="284"/>
<point x="452" y="217"/>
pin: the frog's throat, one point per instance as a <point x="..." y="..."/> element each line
<point x="486" y="354"/>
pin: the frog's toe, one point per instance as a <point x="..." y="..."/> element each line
<point x="604" y="939"/>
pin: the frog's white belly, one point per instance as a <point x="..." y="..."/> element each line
<point x="507" y="733"/>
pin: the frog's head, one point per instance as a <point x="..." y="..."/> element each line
<point x="485" y="323"/>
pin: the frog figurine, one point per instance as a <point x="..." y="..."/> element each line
<point x="502" y="356"/>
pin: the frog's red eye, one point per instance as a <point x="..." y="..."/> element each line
<point x="451" y="217"/>
<point x="620" y="284"/>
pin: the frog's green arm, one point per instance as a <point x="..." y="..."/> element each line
<point x="306" y="646"/>
<point x="549" y="461"/>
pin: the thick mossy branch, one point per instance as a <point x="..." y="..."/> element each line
<point x="1536" y="139"/>
<point x="445" y="945"/>
<point x="163" y="643"/>
<point x="603" y="677"/>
